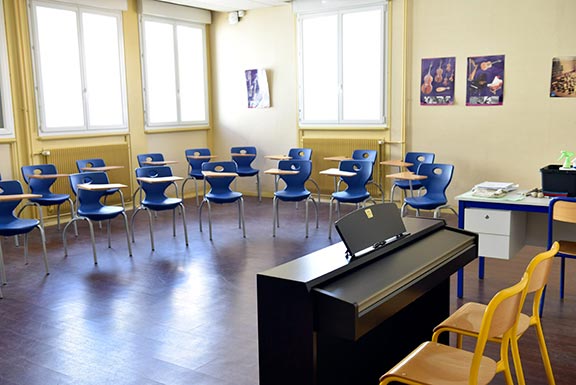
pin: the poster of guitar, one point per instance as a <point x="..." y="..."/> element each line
<point x="485" y="81"/>
<point x="437" y="81"/>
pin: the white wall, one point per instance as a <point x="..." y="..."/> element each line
<point x="504" y="143"/>
<point x="263" y="38"/>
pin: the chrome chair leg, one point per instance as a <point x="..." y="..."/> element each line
<point x="242" y="216"/>
<point x="127" y="233"/>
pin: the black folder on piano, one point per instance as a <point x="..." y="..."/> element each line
<point x="371" y="228"/>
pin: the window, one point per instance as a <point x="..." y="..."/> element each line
<point x="79" y="67"/>
<point x="6" y="118"/>
<point x="342" y="67"/>
<point x="174" y="68"/>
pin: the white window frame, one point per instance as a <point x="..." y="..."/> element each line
<point x="179" y="123"/>
<point x="85" y="129"/>
<point x="7" y="122"/>
<point x="341" y="122"/>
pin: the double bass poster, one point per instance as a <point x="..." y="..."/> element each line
<point x="437" y="81"/>
<point x="485" y="81"/>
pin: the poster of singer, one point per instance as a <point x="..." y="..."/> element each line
<point x="437" y="81"/>
<point x="563" y="80"/>
<point x="257" y="88"/>
<point x="485" y="81"/>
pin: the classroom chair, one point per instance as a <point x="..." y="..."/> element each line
<point x="149" y="157"/>
<point x="297" y="153"/>
<point x="223" y="173"/>
<point x="438" y="364"/>
<point x="195" y="158"/>
<point x="42" y="186"/>
<point x="466" y="321"/>
<point x="82" y="164"/>
<point x="416" y="158"/>
<point x="438" y="177"/>
<point x="355" y="191"/>
<point x="244" y="156"/>
<point x="155" y="198"/>
<point x="561" y="209"/>
<point x="89" y="208"/>
<point x="295" y="190"/>
<point x="12" y="225"/>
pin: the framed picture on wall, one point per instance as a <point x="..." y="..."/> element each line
<point x="257" y="88"/>
<point x="437" y="81"/>
<point x="563" y="79"/>
<point x="485" y="81"/>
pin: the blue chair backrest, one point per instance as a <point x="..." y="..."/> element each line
<point x="9" y="187"/>
<point x="220" y="185"/>
<point x="195" y="165"/>
<point x="438" y="178"/>
<point x="300" y="153"/>
<point x="154" y="190"/>
<point x="39" y="186"/>
<point x="357" y="183"/>
<point x="151" y="157"/>
<point x="295" y="182"/>
<point x="243" y="162"/>
<point x="366" y="155"/>
<point x="88" y="199"/>
<point x="94" y="162"/>
<point x="417" y="158"/>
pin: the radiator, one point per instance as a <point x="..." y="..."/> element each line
<point x="113" y="154"/>
<point x="326" y="147"/>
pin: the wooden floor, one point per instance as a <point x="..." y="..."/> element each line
<point x="187" y="315"/>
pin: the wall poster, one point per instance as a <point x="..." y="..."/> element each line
<point x="437" y="81"/>
<point x="563" y="80"/>
<point x="257" y="88"/>
<point x="485" y="80"/>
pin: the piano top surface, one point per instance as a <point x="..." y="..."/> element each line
<point x="329" y="262"/>
<point x="384" y="276"/>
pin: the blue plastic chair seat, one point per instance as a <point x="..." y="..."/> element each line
<point x="247" y="172"/>
<point x="224" y="197"/>
<point x="155" y="198"/>
<point x="17" y="226"/>
<point x="405" y="185"/>
<point x="425" y="202"/>
<point x="162" y="204"/>
<point x="346" y="197"/>
<point x="101" y="214"/>
<point x="290" y="196"/>
<point x="51" y="199"/>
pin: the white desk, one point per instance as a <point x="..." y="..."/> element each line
<point x="504" y="225"/>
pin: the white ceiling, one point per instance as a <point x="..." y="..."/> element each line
<point x="228" y="5"/>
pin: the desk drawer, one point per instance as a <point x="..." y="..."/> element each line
<point x="488" y="221"/>
<point x="496" y="246"/>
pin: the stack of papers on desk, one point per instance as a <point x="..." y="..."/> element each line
<point x="493" y="189"/>
<point x="504" y="186"/>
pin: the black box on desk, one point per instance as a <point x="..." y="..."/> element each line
<point x="556" y="182"/>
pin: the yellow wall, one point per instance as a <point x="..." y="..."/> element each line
<point x="503" y="143"/>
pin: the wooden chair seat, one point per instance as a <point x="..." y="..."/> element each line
<point x="434" y="363"/>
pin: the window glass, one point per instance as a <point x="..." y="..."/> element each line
<point x="361" y="65"/>
<point x="175" y="87"/>
<point x="6" y="118"/>
<point x="79" y="69"/>
<point x="103" y="74"/>
<point x="342" y="67"/>
<point x="320" y="69"/>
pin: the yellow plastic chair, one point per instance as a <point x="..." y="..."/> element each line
<point x="466" y="321"/>
<point x="434" y="363"/>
